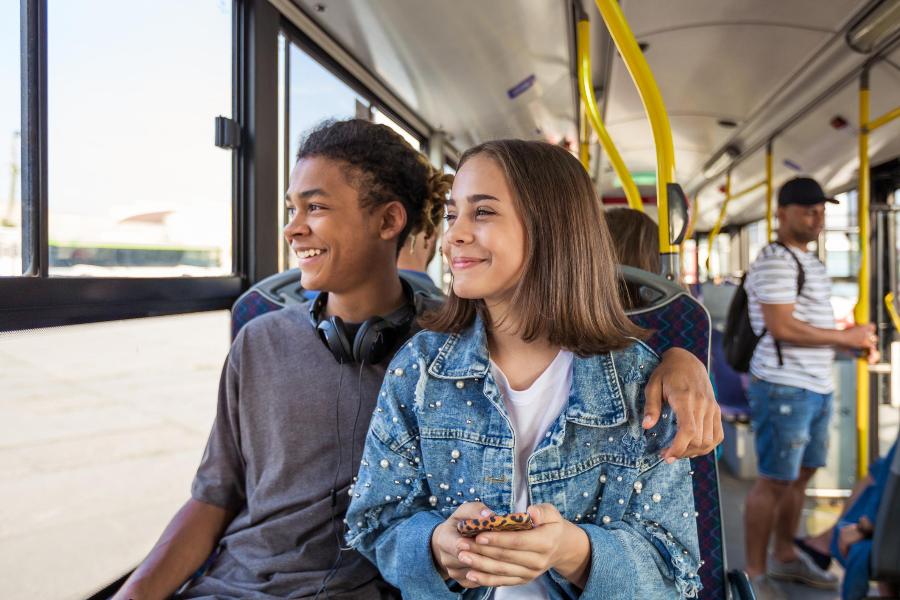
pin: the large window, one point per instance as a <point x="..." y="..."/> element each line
<point x="10" y="153"/>
<point x="136" y="185"/>
<point x="316" y="94"/>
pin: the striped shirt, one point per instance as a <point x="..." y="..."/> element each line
<point x="773" y="280"/>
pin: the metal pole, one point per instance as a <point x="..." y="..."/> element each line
<point x="769" y="192"/>
<point x="862" y="309"/>
<point x="586" y="87"/>
<point x="659" y="123"/>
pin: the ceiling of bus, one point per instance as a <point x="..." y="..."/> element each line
<point x="454" y="62"/>
<point x="755" y="62"/>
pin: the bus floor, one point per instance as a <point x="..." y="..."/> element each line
<point x="818" y="514"/>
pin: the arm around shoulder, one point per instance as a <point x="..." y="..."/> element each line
<point x="184" y="545"/>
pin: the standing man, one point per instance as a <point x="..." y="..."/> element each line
<point x="790" y="393"/>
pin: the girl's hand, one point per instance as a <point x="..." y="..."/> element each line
<point x="682" y="382"/>
<point x="517" y="557"/>
<point x="444" y="542"/>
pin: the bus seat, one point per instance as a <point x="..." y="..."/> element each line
<point x="885" y="558"/>
<point x="729" y="384"/>
<point x="282" y="289"/>
<point x="678" y="320"/>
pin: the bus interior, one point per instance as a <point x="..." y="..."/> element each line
<point x="149" y="147"/>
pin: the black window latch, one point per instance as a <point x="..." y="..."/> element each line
<point x="228" y="133"/>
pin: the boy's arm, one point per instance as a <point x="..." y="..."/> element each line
<point x="682" y="382"/>
<point x="186" y="543"/>
<point x="217" y="495"/>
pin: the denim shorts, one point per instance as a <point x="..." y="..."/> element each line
<point x="790" y="425"/>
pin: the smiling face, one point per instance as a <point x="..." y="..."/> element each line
<point x="802" y="222"/>
<point x="337" y="241"/>
<point x="485" y="240"/>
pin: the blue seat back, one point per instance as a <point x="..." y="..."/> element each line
<point x="678" y="320"/>
<point x="283" y="289"/>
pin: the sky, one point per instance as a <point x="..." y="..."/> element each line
<point x="133" y="92"/>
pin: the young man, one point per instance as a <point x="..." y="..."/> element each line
<point x="414" y="258"/>
<point x="295" y="401"/>
<point x="791" y="387"/>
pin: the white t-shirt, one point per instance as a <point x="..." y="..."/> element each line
<point x="773" y="280"/>
<point x="532" y="412"/>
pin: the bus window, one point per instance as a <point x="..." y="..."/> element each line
<point x="316" y="94"/>
<point x="137" y="187"/>
<point x="10" y="122"/>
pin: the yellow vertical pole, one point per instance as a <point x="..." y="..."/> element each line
<point x="584" y="148"/>
<point x="718" y="226"/>
<point x="861" y="311"/>
<point x="659" y="123"/>
<point x="769" y="192"/>
<point x="586" y="88"/>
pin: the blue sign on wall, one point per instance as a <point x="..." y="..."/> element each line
<point x="521" y="87"/>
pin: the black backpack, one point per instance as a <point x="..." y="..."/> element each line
<point x="739" y="341"/>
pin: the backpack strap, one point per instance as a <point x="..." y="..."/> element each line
<point x="801" y="279"/>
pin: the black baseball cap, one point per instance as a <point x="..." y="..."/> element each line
<point x="802" y="190"/>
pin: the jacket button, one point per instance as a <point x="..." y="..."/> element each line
<point x="460" y="385"/>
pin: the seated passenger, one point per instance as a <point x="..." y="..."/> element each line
<point x="525" y="393"/>
<point x="635" y="238"/>
<point x="414" y="258"/>
<point x="851" y="542"/>
<point x="270" y="495"/>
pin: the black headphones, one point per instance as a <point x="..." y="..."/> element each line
<point x="375" y="338"/>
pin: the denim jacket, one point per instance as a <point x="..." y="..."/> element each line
<point x="440" y="436"/>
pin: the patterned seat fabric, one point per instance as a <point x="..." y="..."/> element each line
<point x="250" y="305"/>
<point x="684" y="323"/>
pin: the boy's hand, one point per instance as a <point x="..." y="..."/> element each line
<point x="518" y="557"/>
<point x="445" y="538"/>
<point x="682" y="381"/>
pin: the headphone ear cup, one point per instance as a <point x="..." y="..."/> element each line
<point x="334" y="334"/>
<point x="373" y="340"/>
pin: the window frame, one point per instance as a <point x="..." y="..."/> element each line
<point x="34" y="299"/>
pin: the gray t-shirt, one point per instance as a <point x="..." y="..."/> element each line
<point x="272" y="456"/>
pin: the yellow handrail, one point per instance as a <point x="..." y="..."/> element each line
<point x="746" y="191"/>
<point x="861" y="310"/>
<point x="892" y="310"/>
<point x="718" y="226"/>
<point x="656" y="113"/>
<point x="586" y="87"/>
<point x="584" y="144"/>
<point x="883" y="119"/>
<point x="769" y="192"/>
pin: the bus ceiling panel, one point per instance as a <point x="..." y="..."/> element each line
<point x="816" y="147"/>
<point x="473" y="69"/>
<point x="694" y="135"/>
<point x="830" y="69"/>
<point x="713" y="73"/>
<point x="649" y="17"/>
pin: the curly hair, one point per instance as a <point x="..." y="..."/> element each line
<point x="383" y="167"/>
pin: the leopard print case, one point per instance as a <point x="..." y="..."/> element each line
<point x="510" y="522"/>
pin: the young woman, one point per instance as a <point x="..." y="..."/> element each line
<point x="635" y="239"/>
<point x="525" y="393"/>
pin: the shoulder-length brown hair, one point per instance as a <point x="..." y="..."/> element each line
<point x="635" y="239"/>
<point x="568" y="293"/>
